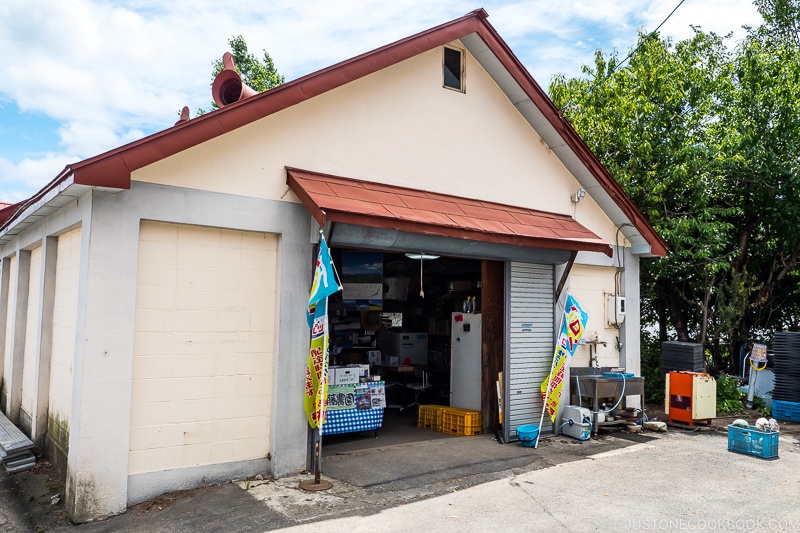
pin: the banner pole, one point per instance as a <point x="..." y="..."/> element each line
<point x="322" y="392"/>
<point x="549" y="381"/>
<point x="317" y="468"/>
<point x="546" y="397"/>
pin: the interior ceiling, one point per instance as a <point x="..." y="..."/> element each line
<point x="399" y="264"/>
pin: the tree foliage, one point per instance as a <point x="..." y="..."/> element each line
<point x="706" y="141"/>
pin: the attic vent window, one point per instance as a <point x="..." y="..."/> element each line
<point x="454" y="69"/>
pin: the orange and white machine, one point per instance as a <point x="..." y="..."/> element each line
<point x="691" y="397"/>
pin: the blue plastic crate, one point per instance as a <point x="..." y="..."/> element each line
<point x="786" y="410"/>
<point x="751" y="441"/>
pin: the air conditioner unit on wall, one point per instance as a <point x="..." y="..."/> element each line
<point x="615" y="309"/>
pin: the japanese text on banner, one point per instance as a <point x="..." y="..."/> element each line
<point x="572" y="327"/>
<point x="316" y="382"/>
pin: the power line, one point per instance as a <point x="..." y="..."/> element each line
<point x="648" y="36"/>
<point x="598" y="84"/>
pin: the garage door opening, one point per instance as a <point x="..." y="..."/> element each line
<point x="430" y="327"/>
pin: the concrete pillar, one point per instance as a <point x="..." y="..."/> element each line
<point x="47" y="296"/>
<point x="5" y="281"/>
<point x="289" y="431"/>
<point x="20" y="322"/>
<point x="97" y="464"/>
<point x="630" y="332"/>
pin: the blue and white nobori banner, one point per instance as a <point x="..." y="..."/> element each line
<point x="316" y="383"/>
<point x="324" y="283"/>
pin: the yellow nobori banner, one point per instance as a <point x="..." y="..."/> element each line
<point x="572" y="327"/>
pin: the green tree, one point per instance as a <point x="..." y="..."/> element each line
<point x="258" y="74"/>
<point x="761" y="154"/>
<point x="707" y="143"/>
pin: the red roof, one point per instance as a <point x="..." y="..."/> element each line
<point x="336" y="199"/>
<point x="6" y="210"/>
<point x="113" y="169"/>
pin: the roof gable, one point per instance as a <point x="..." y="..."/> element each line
<point x="113" y="169"/>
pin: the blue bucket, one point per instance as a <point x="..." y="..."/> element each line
<point x="527" y="434"/>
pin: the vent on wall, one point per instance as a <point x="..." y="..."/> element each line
<point x="453" y="67"/>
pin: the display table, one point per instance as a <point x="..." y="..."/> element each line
<point x="352" y="420"/>
<point x="354" y="408"/>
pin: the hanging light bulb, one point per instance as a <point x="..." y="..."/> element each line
<point x="421" y="290"/>
<point x="422" y="257"/>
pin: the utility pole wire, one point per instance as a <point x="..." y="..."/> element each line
<point x="601" y="82"/>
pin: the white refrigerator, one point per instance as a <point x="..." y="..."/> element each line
<point x="465" y="361"/>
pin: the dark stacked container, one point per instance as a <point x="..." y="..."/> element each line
<point x="677" y="356"/>
<point x="786" y="366"/>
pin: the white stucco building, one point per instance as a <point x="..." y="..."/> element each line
<point x="153" y="297"/>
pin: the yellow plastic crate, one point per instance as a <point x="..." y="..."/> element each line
<point x="430" y="417"/>
<point x="461" y="421"/>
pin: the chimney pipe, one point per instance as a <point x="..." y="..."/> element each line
<point x="184" y="115"/>
<point x="228" y="87"/>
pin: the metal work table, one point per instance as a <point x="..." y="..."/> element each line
<point x="593" y="385"/>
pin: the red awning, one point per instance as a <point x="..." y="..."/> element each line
<point x="335" y="199"/>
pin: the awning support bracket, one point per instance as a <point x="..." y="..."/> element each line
<point x="565" y="275"/>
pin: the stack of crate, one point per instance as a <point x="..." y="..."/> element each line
<point x="16" y="450"/>
<point x="453" y="420"/>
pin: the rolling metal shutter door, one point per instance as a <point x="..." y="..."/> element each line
<point x="530" y="347"/>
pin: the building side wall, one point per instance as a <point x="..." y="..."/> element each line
<point x="8" y="348"/>
<point x="98" y="479"/>
<point x="590" y="284"/>
<point x="65" y="314"/>
<point x="203" y="347"/>
<point x="31" y="355"/>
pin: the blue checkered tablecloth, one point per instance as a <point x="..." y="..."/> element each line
<point x="350" y="420"/>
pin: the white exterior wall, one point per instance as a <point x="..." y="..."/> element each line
<point x="8" y="349"/>
<point x="590" y="285"/>
<point x="398" y="126"/>
<point x="102" y="473"/>
<point x="65" y="313"/>
<point x="203" y="357"/>
<point x="31" y="357"/>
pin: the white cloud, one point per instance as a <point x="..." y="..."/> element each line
<point x="18" y="180"/>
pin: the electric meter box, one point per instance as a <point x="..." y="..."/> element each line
<point x="615" y="309"/>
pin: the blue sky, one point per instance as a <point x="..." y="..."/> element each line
<point x="80" y="77"/>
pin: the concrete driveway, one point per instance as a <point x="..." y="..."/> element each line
<point x="681" y="481"/>
<point x="677" y="482"/>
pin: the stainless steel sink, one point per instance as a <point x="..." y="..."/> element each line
<point x="588" y="372"/>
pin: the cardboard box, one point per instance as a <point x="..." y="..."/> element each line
<point x="345" y="376"/>
<point x="363" y="372"/>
